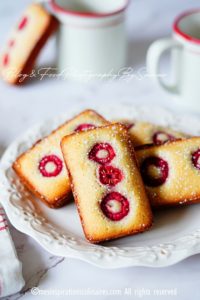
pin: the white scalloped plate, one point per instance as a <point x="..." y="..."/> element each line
<point x="174" y="236"/>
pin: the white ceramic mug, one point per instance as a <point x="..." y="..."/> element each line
<point x="92" y="38"/>
<point x="185" y="46"/>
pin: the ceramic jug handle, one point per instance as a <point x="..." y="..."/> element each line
<point x="154" y="54"/>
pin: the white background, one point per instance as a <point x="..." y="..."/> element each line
<point x="22" y="107"/>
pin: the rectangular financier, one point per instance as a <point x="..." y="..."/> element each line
<point x="106" y="183"/>
<point x="28" y="37"/>
<point x="171" y="172"/>
<point x="41" y="168"/>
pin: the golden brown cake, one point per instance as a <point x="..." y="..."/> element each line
<point x="171" y="172"/>
<point x="106" y="183"/>
<point x="41" y="168"/>
<point x="26" y="40"/>
<point x="146" y="133"/>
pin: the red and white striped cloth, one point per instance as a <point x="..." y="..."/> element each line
<point x="11" y="280"/>
<point x="3" y="220"/>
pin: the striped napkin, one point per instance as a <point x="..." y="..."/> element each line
<point x="11" y="280"/>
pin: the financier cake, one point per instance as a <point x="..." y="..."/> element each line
<point x="25" y="42"/>
<point x="171" y="172"/>
<point x="106" y="183"/>
<point x="147" y="133"/>
<point x="41" y="168"/>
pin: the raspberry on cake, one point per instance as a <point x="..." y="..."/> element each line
<point x="25" y="42"/>
<point x="171" y="172"/>
<point x="146" y="133"/>
<point x="106" y="183"/>
<point x="41" y="168"/>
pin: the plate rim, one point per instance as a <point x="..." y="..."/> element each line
<point x="28" y="221"/>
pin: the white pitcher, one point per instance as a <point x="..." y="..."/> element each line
<point x="92" y="38"/>
<point x="185" y="45"/>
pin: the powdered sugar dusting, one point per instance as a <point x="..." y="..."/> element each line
<point x="183" y="242"/>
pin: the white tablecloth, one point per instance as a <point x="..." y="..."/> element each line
<point x="21" y="108"/>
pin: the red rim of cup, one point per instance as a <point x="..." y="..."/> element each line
<point x="59" y="9"/>
<point x="177" y="30"/>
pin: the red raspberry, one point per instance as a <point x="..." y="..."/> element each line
<point x="23" y="23"/>
<point x="84" y="127"/>
<point x="196" y="159"/>
<point x="6" y="60"/>
<point x="128" y="124"/>
<point x="159" y="165"/>
<point x="109" y="175"/>
<point x="161" y="137"/>
<point x="57" y="164"/>
<point x="115" y="206"/>
<point x="11" y="43"/>
<point x="102" y="153"/>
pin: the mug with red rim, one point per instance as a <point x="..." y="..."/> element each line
<point x="92" y="38"/>
<point x="185" y="47"/>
